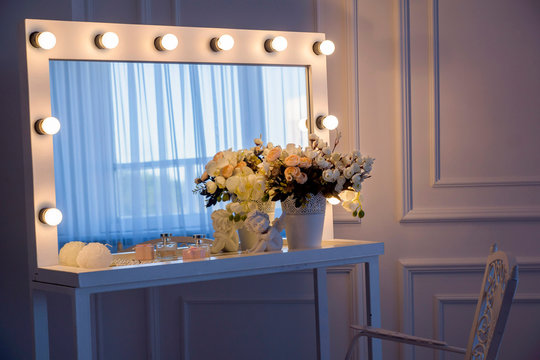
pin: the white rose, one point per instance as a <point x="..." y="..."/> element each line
<point x="328" y="175"/>
<point x="326" y="150"/>
<point x="355" y="167"/>
<point x="310" y="153"/>
<point x="293" y="149"/>
<point x="348" y="172"/>
<point x="322" y="163"/>
<point x="335" y="157"/>
<point x="357" y="179"/>
<point x="212" y="168"/>
<point x="211" y="187"/>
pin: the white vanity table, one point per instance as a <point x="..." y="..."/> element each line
<point x="81" y="284"/>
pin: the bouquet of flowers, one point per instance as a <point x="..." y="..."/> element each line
<point x="270" y="172"/>
<point x="301" y="173"/>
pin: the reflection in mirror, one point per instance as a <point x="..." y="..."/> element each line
<point x="135" y="135"/>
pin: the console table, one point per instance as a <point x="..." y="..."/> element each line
<point x="80" y="284"/>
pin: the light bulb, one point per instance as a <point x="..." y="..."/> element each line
<point x="333" y="200"/>
<point x="279" y="43"/>
<point x="224" y="42"/>
<point x="50" y="216"/>
<point x="45" y="40"/>
<point x="329" y="122"/>
<point x="325" y="47"/>
<point x="108" y="40"/>
<point x="48" y="126"/>
<point x="166" y="42"/>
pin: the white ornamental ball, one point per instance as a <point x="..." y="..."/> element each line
<point x="68" y="253"/>
<point x="94" y="256"/>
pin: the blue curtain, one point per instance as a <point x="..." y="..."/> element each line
<point x="135" y="135"/>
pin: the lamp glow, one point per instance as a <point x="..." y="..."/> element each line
<point x="44" y="40"/>
<point x="166" y="42"/>
<point x="224" y="42"/>
<point x="279" y="43"/>
<point x="333" y="200"/>
<point x="329" y="122"/>
<point x="108" y="40"/>
<point x="50" y="216"/>
<point x="325" y="47"/>
<point x="48" y="126"/>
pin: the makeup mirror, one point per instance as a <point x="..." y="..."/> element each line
<point x="142" y="54"/>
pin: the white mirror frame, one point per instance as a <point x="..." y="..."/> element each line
<point x="76" y="41"/>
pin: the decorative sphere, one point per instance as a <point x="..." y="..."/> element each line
<point x="68" y="253"/>
<point x="94" y="256"/>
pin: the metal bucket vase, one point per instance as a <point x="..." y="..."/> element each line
<point x="304" y="225"/>
<point x="249" y="239"/>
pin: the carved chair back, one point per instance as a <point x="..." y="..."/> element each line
<point x="498" y="288"/>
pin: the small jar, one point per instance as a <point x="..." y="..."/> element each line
<point x="144" y="252"/>
<point x="166" y="249"/>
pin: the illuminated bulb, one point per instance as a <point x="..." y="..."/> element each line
<point x="329" y="122"/>
<point x="325" y="47"/>
<point x="333" y="200"/>
<point x="50" y="216"/>
<point x="166" y="42"/>
<point x="45" y="40"/>
<point x="279" y="43"/>
<point x="224" y="42"/>
<point x="302" y="125"/>
<point x="108" y="40"/>
<point x="48" y="126"/>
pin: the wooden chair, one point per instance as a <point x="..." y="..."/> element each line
<point x="498" y="288"/>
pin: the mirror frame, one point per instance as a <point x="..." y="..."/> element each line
<point x="75" y="41"/>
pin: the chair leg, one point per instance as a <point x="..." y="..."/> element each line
<point x="351" y="345"/>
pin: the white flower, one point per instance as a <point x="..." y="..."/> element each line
<point x="211" y="187"/>
<point x="368" y="163"/>
<point x="326" y="150"/>
<point x="220" y="181"/>
<point x="348" y="159"/>
<point x="321" y="144"/>
<point x="310" y="153"/>
<point x="330" y="175"/>
<point x="270" y="146"/>
<point x="293" y="149"/>
<point x="357" y="179"/>
<point x="335" y="157"/>
<point x="348" y="172"/>
<point x="322" y="163"/>
<point x="355" y="167"/>
<point x="351" y="200"/>
<point x="357" y="187"/>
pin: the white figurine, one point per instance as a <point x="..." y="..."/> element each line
<point x="269" y="236"/>
<point x="225" y="236"/>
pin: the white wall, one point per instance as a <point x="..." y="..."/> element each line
<point x="457" y="168"/>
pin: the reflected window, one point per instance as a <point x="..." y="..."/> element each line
<point x="135" y="135"/>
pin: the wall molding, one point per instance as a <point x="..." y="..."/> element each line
<point x="443" y="214"/>
<point x="409" y="268"/>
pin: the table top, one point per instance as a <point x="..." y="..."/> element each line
<point x="228" y="265"/>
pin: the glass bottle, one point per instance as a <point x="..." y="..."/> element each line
<point x="166" y="250"/>
<point x="198" y="250"/>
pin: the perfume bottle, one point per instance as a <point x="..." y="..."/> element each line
<point x="198" y="250"/>
<point x="166" y="249"/>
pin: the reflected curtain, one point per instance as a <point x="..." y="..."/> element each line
<point x="135" y="135"/>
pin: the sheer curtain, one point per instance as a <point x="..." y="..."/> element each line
<point x="135" y="135"/>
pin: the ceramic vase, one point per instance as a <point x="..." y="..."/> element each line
<point x="304" y="225"/>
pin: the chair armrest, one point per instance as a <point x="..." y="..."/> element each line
<point x="405" y="338"/>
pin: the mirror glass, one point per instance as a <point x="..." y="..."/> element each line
<point x="134" y="137"/>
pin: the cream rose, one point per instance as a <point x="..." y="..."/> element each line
<point x="227" y="171"/>
<point x="301" y="178"/>
<point x="291" y="173"/>
<point x="274" y="154"/>
<point x="211" y="187"/>
<point x="292" y="160"/>
<point x="305" y="162"/>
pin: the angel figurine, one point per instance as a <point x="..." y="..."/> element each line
<point x="269" y="237"/>
<point x="225" y="235"/>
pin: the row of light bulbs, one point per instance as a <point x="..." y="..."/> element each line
<point x="109" y="40"/>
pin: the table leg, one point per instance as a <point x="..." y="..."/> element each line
<point x="82" y="325"/>
<point x="41" y="325"/>
<point x="321" y="314"/>
<point x="373" y="305"/>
